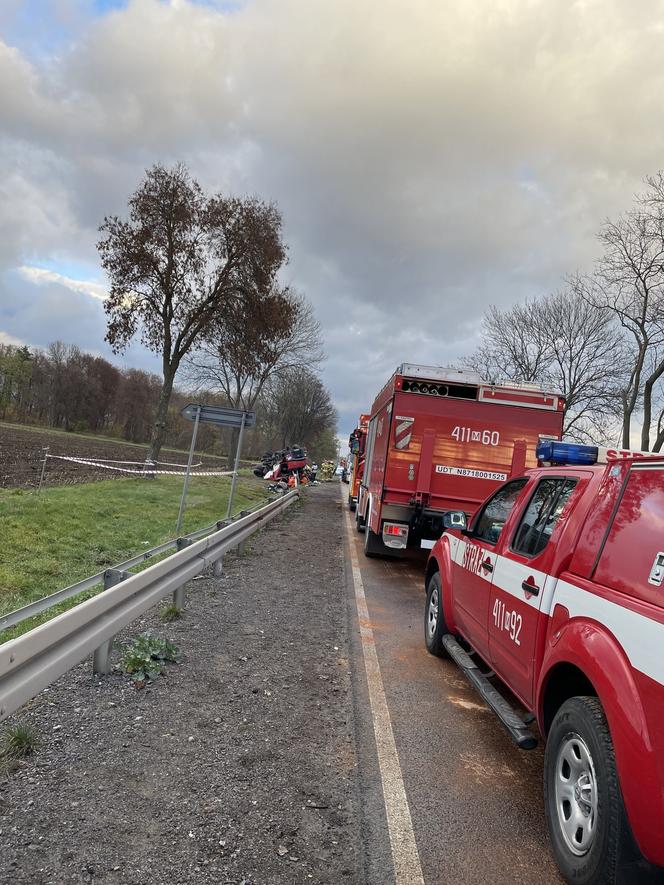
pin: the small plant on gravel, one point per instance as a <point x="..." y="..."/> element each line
<point x="16" y="743"/>
<point x="144" y="658"/>
<point x="170" y="612"/>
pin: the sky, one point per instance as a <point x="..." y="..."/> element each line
<point x="430" y="158"/>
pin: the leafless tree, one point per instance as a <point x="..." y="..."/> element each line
<point x="628" y="283"/>
<point x="296" y="408"/>
<point x="564" y="343"/>
<point x="181" y="259"/>
<point x="252" y="343"/>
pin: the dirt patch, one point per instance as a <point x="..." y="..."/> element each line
<point x="238" y="766"/>
<point x="22" y="454"/>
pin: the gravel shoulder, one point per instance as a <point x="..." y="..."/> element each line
<point x="237" y="766"/>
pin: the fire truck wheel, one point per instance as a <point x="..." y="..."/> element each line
<point x="584" y="806"/>
<point x="359" y="522"/>
<point x="434" y="618"/>
<point x="351" y="503"/>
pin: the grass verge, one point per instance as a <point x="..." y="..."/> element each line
<point x="53" y="539"/>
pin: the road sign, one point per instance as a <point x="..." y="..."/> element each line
<point x="218" y="415"/>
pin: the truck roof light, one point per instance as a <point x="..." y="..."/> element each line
<point x="554" y="452"/>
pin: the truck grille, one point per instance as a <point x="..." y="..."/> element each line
<point x="431" y="388"/>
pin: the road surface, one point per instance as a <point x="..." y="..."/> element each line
<point x="464" y="805"/>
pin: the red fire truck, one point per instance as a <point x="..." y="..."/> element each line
<point x="356" y="444"/>
<point x="556" y="588"/>
<point x="442" y="439"/>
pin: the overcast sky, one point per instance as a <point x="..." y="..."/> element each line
<point x="430" y="157"/>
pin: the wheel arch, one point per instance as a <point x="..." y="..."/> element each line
<point x="564" y="681"/>
<point x="431" y="569"/>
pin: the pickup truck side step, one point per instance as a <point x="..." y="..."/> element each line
<point x="516" y="727"/>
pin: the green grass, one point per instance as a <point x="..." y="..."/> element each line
<point x="66" y="533"/>
<point x="16" y="743"/>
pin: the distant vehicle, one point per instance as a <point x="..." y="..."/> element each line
<point x="558" y="585"/>
<point x="339" y="470"/>
<point x="355" y="461"/>
<point x="442" y="439"/>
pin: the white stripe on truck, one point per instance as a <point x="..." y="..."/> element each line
<point x="641" y="637"/>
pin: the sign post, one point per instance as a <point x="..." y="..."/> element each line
<point x="237" y="463"/>
<point x="222" y="417"/>
<point x="185" y="484"/>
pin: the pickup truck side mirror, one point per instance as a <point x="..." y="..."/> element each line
<point x="454" y="519"/>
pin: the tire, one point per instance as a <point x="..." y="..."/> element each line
<point x="373" y="544"/>
<point x="434" y="617"/>
<point x="585" y="813"/>
<point x="351" y="503"/>
<point x="360" y="524"/>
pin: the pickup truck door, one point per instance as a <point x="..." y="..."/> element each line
<point x="475" y="560"/>
<point x="519" y="578"/>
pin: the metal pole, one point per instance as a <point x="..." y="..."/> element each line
<point x="237" y="462"/>
<point x="43" y="470"/>
<point x="101" y="661"/>
<point x="185" y="484"/>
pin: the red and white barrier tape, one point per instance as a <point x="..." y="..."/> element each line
<point x="138" y="463"/>
<point x="147" y="470"/>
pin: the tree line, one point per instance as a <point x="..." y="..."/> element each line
<point x="600" y="340"/>
<point x="67" y="389"/>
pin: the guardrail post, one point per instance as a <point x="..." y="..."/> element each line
<point x="101" y="660"/>
<point x="218" y="567"/>
<point x="178" y="595"/>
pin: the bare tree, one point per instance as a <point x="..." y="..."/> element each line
<point x="297" y="408"/>
<point x="629" y="283"/>
<point x="251" y="343"/>
<point x="179" y="260"/>
<point x="564" y="343"/>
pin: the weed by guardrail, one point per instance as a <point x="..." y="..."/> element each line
<point x="16" y="743"/>
<point x="144" y="658"/>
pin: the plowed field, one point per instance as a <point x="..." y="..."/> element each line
<point x="22" y="453"/>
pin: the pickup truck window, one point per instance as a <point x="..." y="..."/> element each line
<point x="541" y="515"/>
<point x="492" y="518"/>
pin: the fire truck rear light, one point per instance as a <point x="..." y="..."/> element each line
<point x="554" y="452"/>
<point x="395" y="529"/>
<point x="395" y="534"/>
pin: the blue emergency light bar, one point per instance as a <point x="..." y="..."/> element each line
<point x="554" y="452"/>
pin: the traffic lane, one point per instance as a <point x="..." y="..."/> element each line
<point x="475" y="799"/>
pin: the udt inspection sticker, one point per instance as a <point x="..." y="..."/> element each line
<point x="471" y="473"/>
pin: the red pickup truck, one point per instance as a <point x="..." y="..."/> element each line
<point x="557" y="589"/>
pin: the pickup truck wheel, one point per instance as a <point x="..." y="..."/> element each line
<point x="584" y="806"/>
<point x="434" y="619"/>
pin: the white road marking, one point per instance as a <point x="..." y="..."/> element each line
<point x="407" y="868"/>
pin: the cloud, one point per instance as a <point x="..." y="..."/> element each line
<point x="41" y="276"/>
<point x="430" y="159"/>
<point x="10" y="339"/>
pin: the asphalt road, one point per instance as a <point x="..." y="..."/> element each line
<point x="475" y="800"/>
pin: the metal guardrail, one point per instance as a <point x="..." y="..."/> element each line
<point x="11" y="619"/>
<point x="34" y="660"/>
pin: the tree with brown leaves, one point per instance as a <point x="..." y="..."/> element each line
<point x="181" y="260"/>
